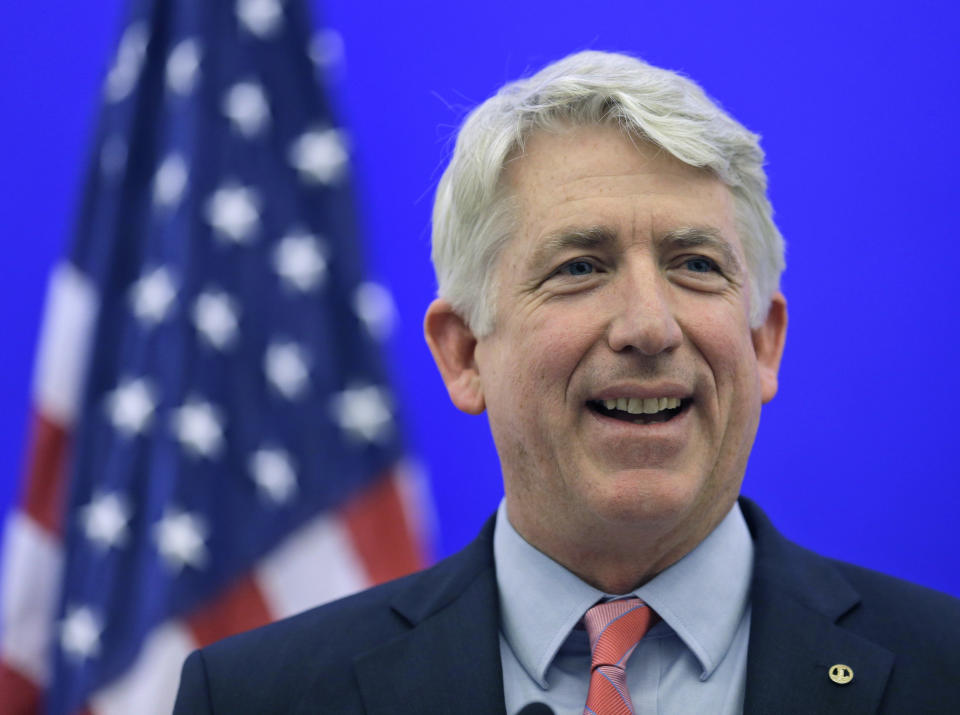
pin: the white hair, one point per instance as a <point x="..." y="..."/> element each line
<point x="472" y="212"/>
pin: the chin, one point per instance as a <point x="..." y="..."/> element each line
<point x="651" y="497"/>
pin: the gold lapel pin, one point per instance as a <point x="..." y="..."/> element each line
<point x="840" y="674"/>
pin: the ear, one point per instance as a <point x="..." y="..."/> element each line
<point x="768" y="342"/>
<point x="453" y="345"/>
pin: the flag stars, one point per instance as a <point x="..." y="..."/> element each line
<point x="245" y="105"/>
<point x="326" y="48"/>
<point x="80" y="633"/>
<point x="125" y="72"/>
<point x="320" y="155"/>
<point x="273" y="472"/>
<point x="183" y="66"/>
<point x="198" y="426"/>
<point x="262" y="18"/>
<point x="113" y="156"/>
<point x="180" y="538"/>
<point x="364" y="413"/>
<point x="234" y="213"/>
<point x="104" y="520"/>
<point x="170" y="181"/>
<point x="300" y="261"/>
<point x="130" y="406"/>
<point x="215" y="317"/>
<point x="287" y="367"/>
<point x="152" y="296"/>
<point x="374" y="305"/>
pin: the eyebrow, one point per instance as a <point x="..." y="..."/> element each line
<point x="595" y="237"/>
<point x="586" y="238"/>
<point x="702" y="237"/>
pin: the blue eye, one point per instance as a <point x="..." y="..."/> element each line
<point x="578" y="268"/>
<point x="700" y="265"/>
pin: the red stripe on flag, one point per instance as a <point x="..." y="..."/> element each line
<point x="46" y="473"/>
<point x="18" y="694"/>
<point x="380" y="532"/>
<point x="239" y="608"/>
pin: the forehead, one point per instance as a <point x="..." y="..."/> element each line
<point x="595" y="177"/>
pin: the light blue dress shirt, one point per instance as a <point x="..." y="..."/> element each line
<point x="693" y="661"/>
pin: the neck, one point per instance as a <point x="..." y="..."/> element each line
<point x="616" y="558"/>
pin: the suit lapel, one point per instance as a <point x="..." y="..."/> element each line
<point x="798" y="600"/>
<point x="449" y="660"/>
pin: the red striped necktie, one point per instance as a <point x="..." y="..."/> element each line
<point x="614" y="628"/>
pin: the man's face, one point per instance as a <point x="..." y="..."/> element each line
<point x="625" y="286"/>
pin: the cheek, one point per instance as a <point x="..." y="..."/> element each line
<point x="733" y="363"/>
<point x="724" y="341"/>
<point x="554" y="350"/>
<point x="530" y="401"/>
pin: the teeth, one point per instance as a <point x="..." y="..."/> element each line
<point x="641" y="406"/>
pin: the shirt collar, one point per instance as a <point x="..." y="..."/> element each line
<point x="701" y="597"/>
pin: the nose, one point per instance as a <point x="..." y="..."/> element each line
<point x="643" y="318"/>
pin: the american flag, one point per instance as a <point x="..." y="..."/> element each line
<point x="214" y="442"/>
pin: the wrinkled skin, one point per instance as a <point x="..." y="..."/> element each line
<point x="626" y="278"/>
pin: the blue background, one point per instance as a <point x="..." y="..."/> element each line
<point x="858" y="104"/>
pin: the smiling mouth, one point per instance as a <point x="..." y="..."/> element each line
<point x="641" y="411"/>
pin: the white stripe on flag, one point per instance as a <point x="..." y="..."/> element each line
<point x="65" y="339"/>
<point x="410" y="477"/>
<point x="29" y="588"/>
<point x="150" y="686"/>
<point x="316" y="564"/>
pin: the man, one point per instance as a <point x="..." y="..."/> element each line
<point x="608" y="293"/>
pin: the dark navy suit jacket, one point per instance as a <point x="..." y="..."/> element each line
<point x="429" y="643"/>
